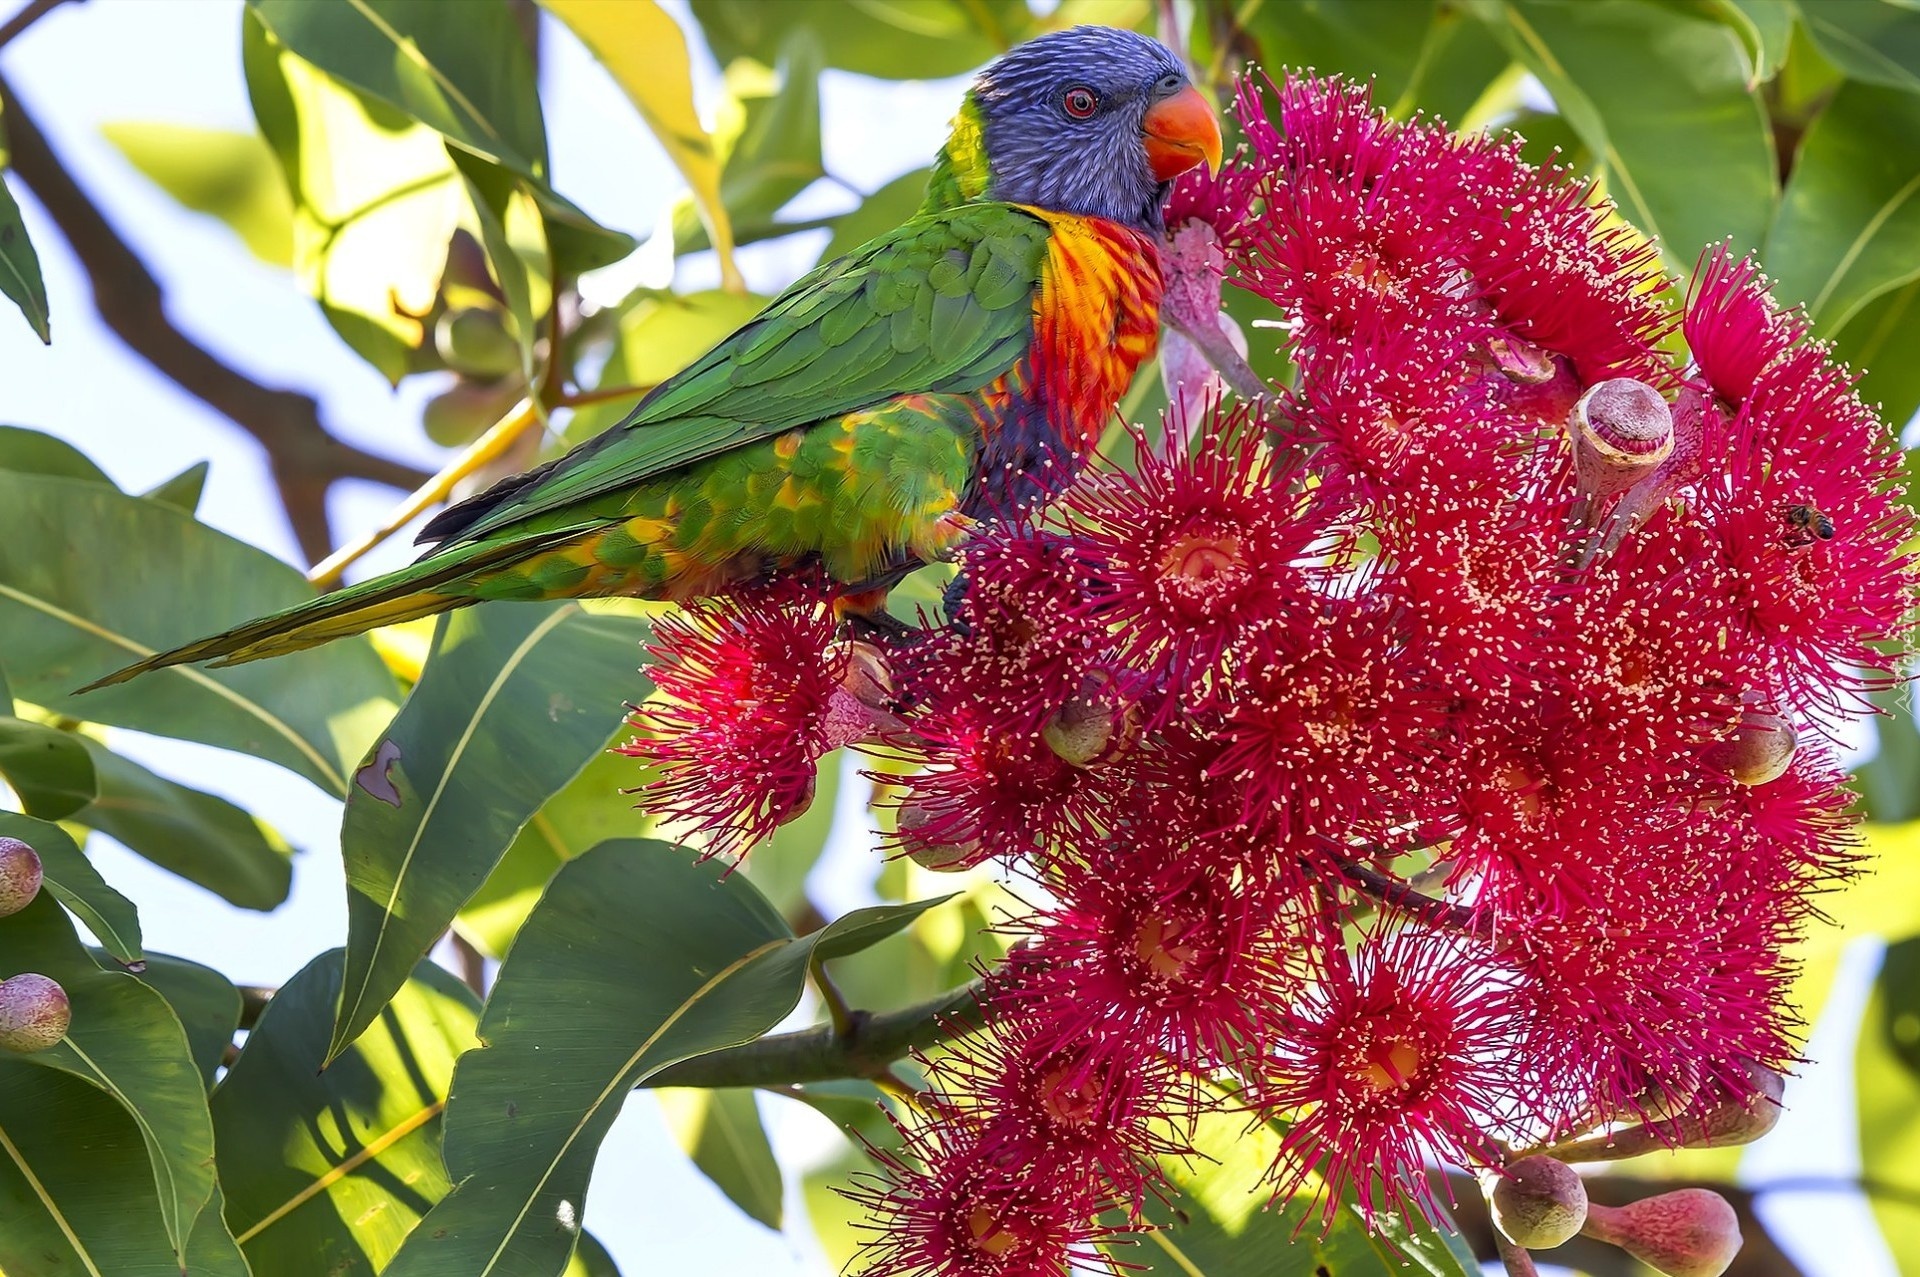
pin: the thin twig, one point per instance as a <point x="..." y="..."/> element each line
<point x="28" y="15"/>
<point x="1519" y="1263"/>
<point x="1390" y="890"/>
<point x="501" y="436"/>
<point x="870" y="1045"/>
<point x="304" y="458"/>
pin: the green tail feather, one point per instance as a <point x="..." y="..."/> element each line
<point x="398" y="596"/>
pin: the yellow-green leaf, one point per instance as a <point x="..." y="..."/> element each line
<point x="229" y="175"/>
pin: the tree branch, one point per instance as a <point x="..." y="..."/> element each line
<point x="1389" y="890"/>
<point x="304" y="459"/>
<point x="872" y="1043"/>
<point x="29" y="14"/>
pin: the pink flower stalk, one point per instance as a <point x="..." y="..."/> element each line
<point x="1400" y="1052"/>
<point x="747" y="697"/>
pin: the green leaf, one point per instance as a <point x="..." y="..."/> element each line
<point x="879" y="213"/>
<point x="327" y="1171"/>
<point x="76" y="1193"/>
<point x="590" y="1259"/>
<point x="127" y="1041"/>
<point x="569" y="1030"/>
<point x="1419" y="53"/>
<point x="1876" y="343"/>
<point x="590" y="809"/>
<point x="1872" y="40"/>
<point x="659" y="334"/>
<point x="860" y="930"/>
<point x="1765" y="27"/>
<point x="203" y="838"/>
<point x="91" y="579"/>
<point x="33" y="452"/>
<point x="514" y="701"/>
<point x="855" y="1105"/>
<point x="1660" y="95"/>
<point x="516" y="244"/>
<point x="1889" y="782"/>
<point x="48" y="768"/>
<point x="768" y="130"/>
<point x="1886" y="1069"/>
<point x="75" y="883"/>
<point x="1849" y="225"/>
<point x="645" y="52"/>
<point x="462" y="70"/>
<point x="20" y="267"/>
<point x="225" y="174"/>
<point x="375" y="200"/>
<point x="184" y="490"/>
<point x="891" y="39"/>
<point x="1216" y="1224"/>
<point x="721" y="1131"/>
<point x="207" y="1003"/>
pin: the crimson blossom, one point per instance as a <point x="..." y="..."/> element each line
<point x="1423" y="758"/>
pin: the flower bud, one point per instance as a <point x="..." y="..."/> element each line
<point x="1622" y="431"/>
<point x="1520" y="361"/>
<point x="1537" y="1202"/>
<point x="1687" y="1233"/>
<point x="928" y="844"/>
<point x="1759" y="750"/>
<point x="1095" y="726"/>
<point x="1712" y="1119"/>
<point x="34" y="1013"/>
<point x="20" y="876"/>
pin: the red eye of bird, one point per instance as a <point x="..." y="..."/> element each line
<point x="1080" y="103"/>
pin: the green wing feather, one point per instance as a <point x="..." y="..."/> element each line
<point x="942" y="305"/>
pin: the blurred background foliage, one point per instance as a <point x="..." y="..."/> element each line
<point x="400" y="175"/>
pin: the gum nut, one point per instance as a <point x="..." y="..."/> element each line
<point x="1538" y="1202"/>
<point x="34" y="1013"/>
<point x="20" y="876"/>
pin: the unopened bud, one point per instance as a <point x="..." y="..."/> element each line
<point x="930" y="846"/>
<point x="34" y="1013"/>
<point x="1094" y="727"/>
<point x="1537" y="1202"/>
<point x="20" y="876"/>
<point x="865" y="674"/>
<point x="1713" y="1118"/>
<point x="1759" y="750"/>
<point x="1687" y="1233"/>
<point x="1622" y="431"/>
<point x="1520" y="361"/>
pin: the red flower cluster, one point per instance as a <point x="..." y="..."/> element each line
<point x="1494" y="594"/>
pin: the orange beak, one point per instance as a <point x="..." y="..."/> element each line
<point x="1181" y="132"/>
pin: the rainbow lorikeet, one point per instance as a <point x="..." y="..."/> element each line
<point x="943" y="373"/>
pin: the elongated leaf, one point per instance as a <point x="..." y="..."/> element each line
<point x="127" y="1041"/>
<point x="1215" y="1226"/>
<point x="91" y="579"/>
<point x="1765" y="27"/>
<point x="184" y="490"/>
<point x="76" y="1193"/>
<point x="203" y="838"/>
<point x="1849" y="225"/>
<point x="36" y="452"/>
<point x="769" y="131"/>
<point x="1426" y="55"/>
<point x="375" y="201"/>
<point x="569" y="1031"/>
<point x="721" y="1131"/>
<point x="892" y="39"/>
<point x="1660" y="95"/>
<point x="48" y="768"/>
<point x="207" y="1003"/>
<point x="20" y="267"/>
<point x="513" y="702"/>
<point x="327" y="1171"/>
<point x="645" y="52"/>
<point x="1873" y="40"/>
<point x="462" y="70"/>
<point x="1886" y="1065"/>
<point x="1875" y="343"/>
<point x="75" y="883"/>
<point x="225" y="174"/>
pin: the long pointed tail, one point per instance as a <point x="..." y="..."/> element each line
<point x="384" y="600"/>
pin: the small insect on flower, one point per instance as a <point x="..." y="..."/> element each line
<point x="1805" y="524"/>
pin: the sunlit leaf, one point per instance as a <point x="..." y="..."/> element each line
<point x="513" y="703"/>
<point x="646" y="53"/>
<point x="48" y="768"/>
<point x="1886" y="1069"/>
<point x="893" y="39"/>
<point x="229" y="175"/>
<point x="125" y="577"/>
<point x="721" y="1131"/>
<point x="206" y="1002"/>
<point x="203" y="838"/>
<point x="1849" y="224"/>
<point x="326" y="1171"/>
